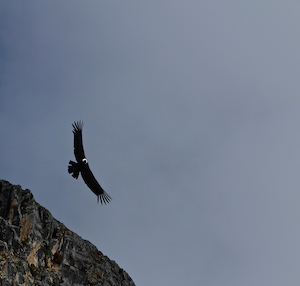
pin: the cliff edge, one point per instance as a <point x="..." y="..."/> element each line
<point x="36" y="249"/>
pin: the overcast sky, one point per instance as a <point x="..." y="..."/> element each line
<point x="192" y="114"/>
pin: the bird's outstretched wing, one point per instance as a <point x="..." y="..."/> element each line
<point x="92" y="183"/>
<point x="78" y="147"/>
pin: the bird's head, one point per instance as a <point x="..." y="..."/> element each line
<point x="85" y="161"/>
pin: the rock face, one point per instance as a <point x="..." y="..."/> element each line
<point x="36" y="249"/>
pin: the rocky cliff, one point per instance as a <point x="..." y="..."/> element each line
<point x="36" y="249"/>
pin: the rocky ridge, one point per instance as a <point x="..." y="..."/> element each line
<point x="36" y="249"/>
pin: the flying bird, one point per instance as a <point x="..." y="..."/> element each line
<point x="82" y="166"/>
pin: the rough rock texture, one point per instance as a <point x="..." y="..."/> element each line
<point x="36" y="249"/>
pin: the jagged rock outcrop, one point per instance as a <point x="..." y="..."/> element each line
<point x="36" y="249"/>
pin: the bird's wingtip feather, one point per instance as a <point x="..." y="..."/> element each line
<point x="104" y="198"/>
<point x="77" y="126"/>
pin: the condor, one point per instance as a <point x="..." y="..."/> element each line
<point x="82" y="166"/>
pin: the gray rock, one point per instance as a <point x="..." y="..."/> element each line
<point x="36" y="249"/>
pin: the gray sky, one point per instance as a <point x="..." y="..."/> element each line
<point x="191" y="112"/>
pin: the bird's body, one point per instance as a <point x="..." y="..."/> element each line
<point x="82" y="166"/>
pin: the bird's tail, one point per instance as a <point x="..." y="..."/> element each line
<point x="73" y="169"/>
